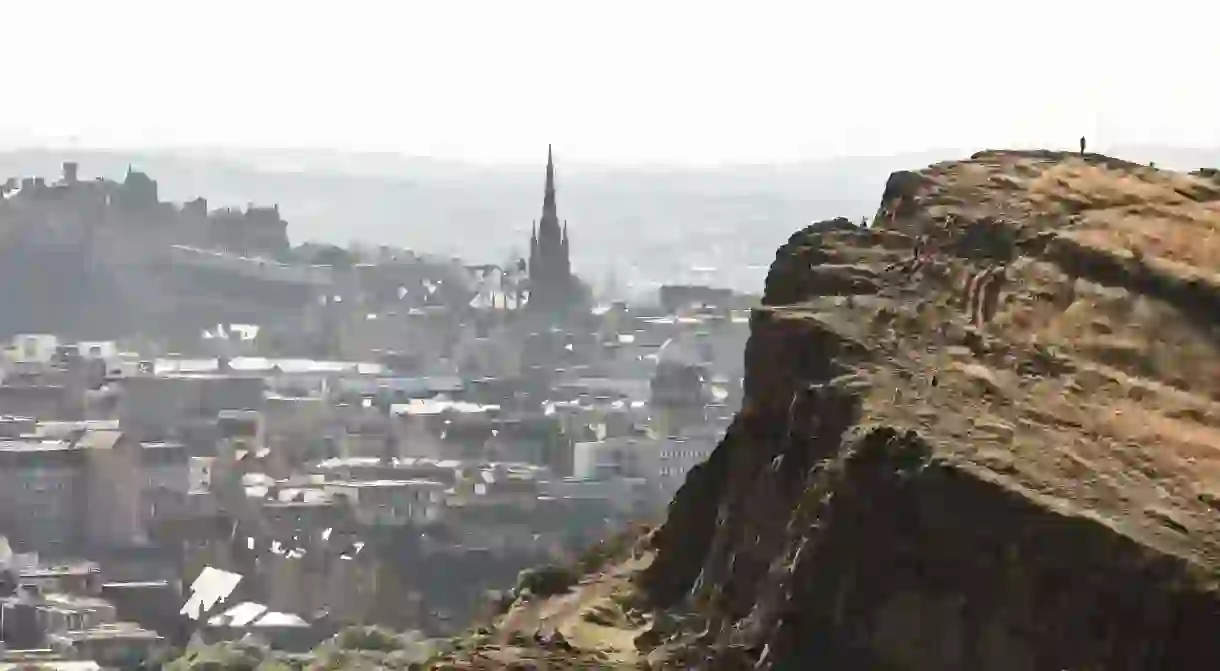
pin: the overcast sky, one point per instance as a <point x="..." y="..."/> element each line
<point x="619" y="82"/>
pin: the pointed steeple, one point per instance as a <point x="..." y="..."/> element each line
<point x="550" y="170"/>
<point x="548" y="199"/>
<point x="549" y="267"/>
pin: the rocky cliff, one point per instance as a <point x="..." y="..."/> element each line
<point x="980" y="434"/>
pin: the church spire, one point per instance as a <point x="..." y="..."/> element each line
<point x="548" y="200"/>
<point x="550" y="270"/>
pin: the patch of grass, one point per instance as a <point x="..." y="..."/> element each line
<point x="616" y="548"/>
<point x="1169" y="216"/>
<point x="230" y="656"/>
<point x="372" y="639"/>
<point x="546" y="581"/>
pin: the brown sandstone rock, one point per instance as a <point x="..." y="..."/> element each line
<point x="1009" y="516"/>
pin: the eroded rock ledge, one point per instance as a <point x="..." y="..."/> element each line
<point x="981" y="434"/>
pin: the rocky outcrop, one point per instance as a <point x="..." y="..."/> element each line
<point x="914" y="484"/>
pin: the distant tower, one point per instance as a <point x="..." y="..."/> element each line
<point x="550" y="268"/>
<point x="71" y="172"/>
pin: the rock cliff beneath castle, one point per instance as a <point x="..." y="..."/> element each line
<point x="980" y="434"/>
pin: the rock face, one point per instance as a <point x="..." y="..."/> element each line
<point x="980" y="434"/>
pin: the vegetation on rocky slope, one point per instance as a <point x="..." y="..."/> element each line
<point x="356" y="648"/>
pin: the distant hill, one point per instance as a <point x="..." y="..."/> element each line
<point x="650" y="223"/>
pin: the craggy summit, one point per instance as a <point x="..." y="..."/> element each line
<point x="980" y="434"/>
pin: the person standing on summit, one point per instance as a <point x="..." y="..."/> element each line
<point x="1082" y="145"/>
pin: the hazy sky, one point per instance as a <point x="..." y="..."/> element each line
<point x="619" y="82"/>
